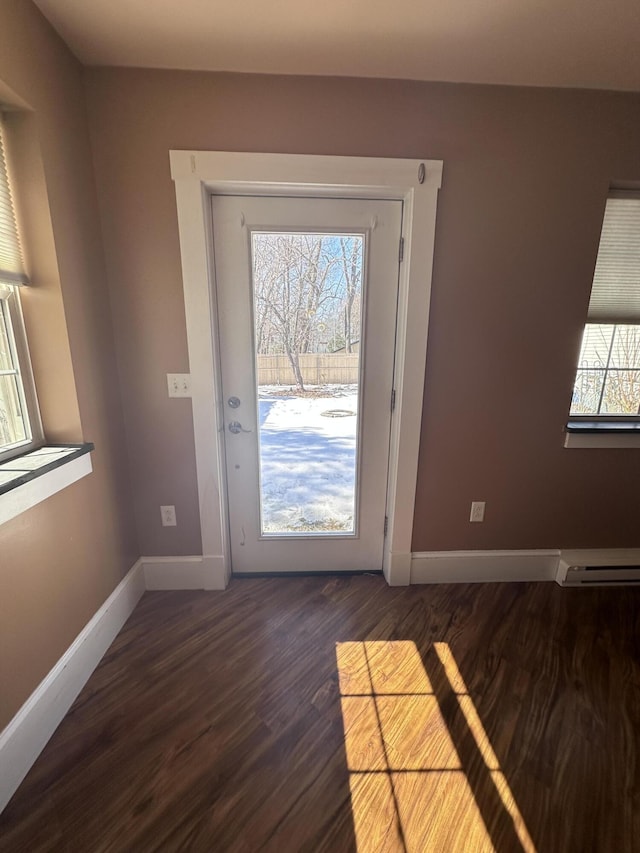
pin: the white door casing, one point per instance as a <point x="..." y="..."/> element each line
<point x="378" y="222"/>
<point x="198" y="174"/>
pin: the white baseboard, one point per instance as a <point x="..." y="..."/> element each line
<point x="483" y="566"/>
<point x="397" y="568"/>
<point x="184" y="572"/>
<point x="22" y="741"/>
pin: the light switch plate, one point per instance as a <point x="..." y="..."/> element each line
<point x="179" y="384"/>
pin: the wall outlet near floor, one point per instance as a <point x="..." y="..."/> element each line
<point x="477" y="511"/>
<point x="168" y="515"/>
<point x="179" y="384"/>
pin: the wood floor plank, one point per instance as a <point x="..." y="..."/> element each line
<point x="337" y="714"/>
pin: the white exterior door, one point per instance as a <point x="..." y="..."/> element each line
<point x="306" y="295"/>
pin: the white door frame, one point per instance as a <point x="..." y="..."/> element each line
<point x="197" y="174"/>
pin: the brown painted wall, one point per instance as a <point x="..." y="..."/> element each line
<point x="526" y="173"/>
<point x="60" y="560"/>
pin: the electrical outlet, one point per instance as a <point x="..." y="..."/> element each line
<point x="477" y="511"/>
<point x="168" y="515"/>
<point x="179" y="384"/>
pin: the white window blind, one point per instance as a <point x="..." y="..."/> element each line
<point x="11" y="265"/>
<point x="615" y="296"/>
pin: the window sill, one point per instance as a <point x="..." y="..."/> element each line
<point x="602" y="434"/>
<point x="35" y="476"/>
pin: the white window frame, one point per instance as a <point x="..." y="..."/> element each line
<point x="12" y="276"/>
<point x="607" y="430"/>
<point x="12" y="316"/>
<point x="606" y="417"/>
<point x="198" y="174"/>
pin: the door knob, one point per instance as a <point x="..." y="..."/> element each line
<point x="236" y="427"/>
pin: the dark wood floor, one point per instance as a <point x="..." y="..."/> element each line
<point x="311" y="714"/>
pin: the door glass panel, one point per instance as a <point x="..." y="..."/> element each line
<point x="307" y="310"/>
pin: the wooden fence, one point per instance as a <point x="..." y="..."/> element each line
<point x="322" y="369"/>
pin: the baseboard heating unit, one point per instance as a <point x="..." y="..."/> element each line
<point x="612" y="567"/>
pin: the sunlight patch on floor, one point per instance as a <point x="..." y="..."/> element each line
<point x="409" y="788"/>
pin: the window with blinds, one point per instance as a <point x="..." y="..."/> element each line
<point x="11" y="264"/>
<point x="608" y="376"/>
<point x="16" y="389"/>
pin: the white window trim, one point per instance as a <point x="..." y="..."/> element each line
<point x="29" y="494"/>
<point x="603" y="441"/>
<point x="199" y="173"/>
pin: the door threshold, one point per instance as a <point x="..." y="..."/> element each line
<point x="332" y="573"/>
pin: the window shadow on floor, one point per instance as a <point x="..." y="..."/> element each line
<point x="423" y="774"/>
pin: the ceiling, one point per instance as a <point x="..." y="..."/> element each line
<point x="577" y="43"/>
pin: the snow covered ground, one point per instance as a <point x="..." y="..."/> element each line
<point x="308" y="458"/>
